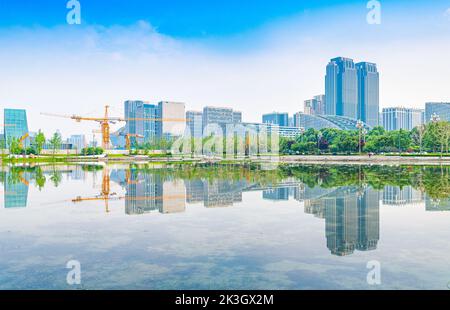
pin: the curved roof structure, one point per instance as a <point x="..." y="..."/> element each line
<point x="328" y="121"/>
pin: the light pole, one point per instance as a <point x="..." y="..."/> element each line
<point x="364" y="132"/>
<point x="302" y="132"/>
<point x="319" y="137"/>
<point x="421" y="133"/>
<point x="359" y="125"/>
<point x="435" y="118"/>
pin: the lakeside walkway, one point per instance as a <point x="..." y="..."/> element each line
<point x="365" y="159"/>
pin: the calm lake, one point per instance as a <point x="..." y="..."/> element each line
<point x="225" y="227"/>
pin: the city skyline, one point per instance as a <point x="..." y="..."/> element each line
<point x="266" y="63"/>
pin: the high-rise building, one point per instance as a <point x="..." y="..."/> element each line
<point x="78" y="142"/>
<point x="341" y="88"/>
<point x="368" y="93"/>
<point x="194" y="121"/>
<point x="315" y="106"/>
<point x="141" y="120"/>
<point x="16" y="125"/>
<point x="172" y="114"/>
<point x="397" y="118"/>
<point x="275" y="118"/>
<point x="441" y="109"/>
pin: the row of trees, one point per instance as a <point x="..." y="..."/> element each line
<point x="433" y="137"/>
<point x="15" y="147"/>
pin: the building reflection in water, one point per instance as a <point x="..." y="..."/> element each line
<point x="16" y="190"/>
<point x="152" y="192"/>
<point x="351" y="213"/>
<point x="401" y="196"/>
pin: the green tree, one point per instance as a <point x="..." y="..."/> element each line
<point x="14" y="146"/>
<point x="55" y="142"/>
<point x="39" y="141"/>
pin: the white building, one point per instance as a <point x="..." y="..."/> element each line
<point x="397" y="118"/>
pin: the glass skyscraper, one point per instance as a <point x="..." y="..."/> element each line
<point x="16" y="125"/>
<point x="352" y="90"/>
<point x="141" y="120"/>
<point x="341" y="88"/>
<point x="368" y="93"/>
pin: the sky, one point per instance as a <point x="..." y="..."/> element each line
<point x="253" y="56"/>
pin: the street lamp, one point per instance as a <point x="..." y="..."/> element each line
<point x="435" y="118"/>
<point x="302" y="132"/>
<point x="319" y="137"/>
<point x="359" y="125"/>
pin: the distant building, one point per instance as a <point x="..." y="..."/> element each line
<point x="315" y="106"/>
<point x="237" y="117"/>
<point x="283" y="131"/>
<point x="275" y="118"/>
<point x="194" y="121"/>
<point x="368" y="93"/>
<point x="144" y="119"/>
<point x="173" y="115"/>
<point x="352" y="90"/>
<point x="441" y="109"/>
<point x="78" y="142"/>
<point x="220" y="116"/>
<point x="402" y="118"/>
<point x="141" y="118"/>
<point x="15" y="125"/>
<point x="341" y="88"/>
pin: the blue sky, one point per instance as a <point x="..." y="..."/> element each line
<point x="253" y="56"/>
<point x="180" y="18"/>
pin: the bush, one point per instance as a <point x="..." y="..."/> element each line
<point x="90" y="151"/>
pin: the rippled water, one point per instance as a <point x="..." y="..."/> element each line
<point x="225" y="227"/>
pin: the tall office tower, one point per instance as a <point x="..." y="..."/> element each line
<point x="341" y="88"/>
<point x="141" y="120"/>
<point x="78" y="142"/>
<point x="194" y="121"/>
<point x="16" y="125"/>
<point x="397" y="118"/>
<point x="441" y="109"/>
<point x="172" y="115"/>
<point x="275" y="118"/>
<point x="368" y="93"/>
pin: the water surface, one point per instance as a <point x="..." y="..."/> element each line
<point x="225" y="227"/>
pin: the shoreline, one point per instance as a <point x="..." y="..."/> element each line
<point x="289" y="159"/>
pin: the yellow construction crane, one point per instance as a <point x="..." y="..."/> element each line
<point x="21" y="139"/>
<point x="128" y="140"/>
<point x="106" y="121"/>
<point x="127" y="137"/>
